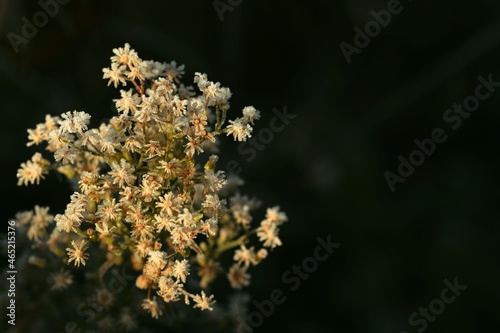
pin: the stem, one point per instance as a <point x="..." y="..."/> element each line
<point x="229" y="245"/>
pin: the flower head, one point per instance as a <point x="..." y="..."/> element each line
<point x="203" y="302"/>
<point x="77" y="252"/>
<point x="60" y="280"/>
<point x="147" y="190"/>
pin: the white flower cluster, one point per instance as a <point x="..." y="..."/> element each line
<point x="142" y="193"/>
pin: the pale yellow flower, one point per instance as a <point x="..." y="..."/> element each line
<point x="77" y="253"/>
<point x="203" y="302"/>
<point x="60" y="280"/>
<point x="238" y="276"/>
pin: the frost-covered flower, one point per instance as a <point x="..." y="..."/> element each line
<point x="148" y="194"/>
<point x="74" y="122"/>
<point x="77" y="252"/>
<point x="152" y="306"/>
<point x="115" y="75"/>
<point x="181" y="270"/>
<point x="122" y="173"/>
<point x="245" y="256"/>
<point x="268" y="234"/>
<point x="274" y="215"/>
<point x="31" y="172"/>
<point x="240" y="130"/>
<point x="250" y="114"/>
<point x="203" y="302"/>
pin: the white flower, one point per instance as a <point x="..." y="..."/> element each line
<point x="128" y="101"/>
<point x="108" y="210"/>
<point x="169" y="289"/>
<point x="209" y="227"/>
<point x="274" y="215"/>
<point x="168" y="203"/>
<point x="250" y="114"/>
<point x="74" y="122"/>
<point x="63" y="223"/>
<point x="157" y="258"/>
<point x="203" y="302"/>
<point x="268" y="234"/>
<point x="37" y="135"/>
<point x="30" y="172"/>
<point x="181" y="270"/>
<point x="77" y="253"/>
<point x="104" y="231"/>
<point x="201" y="80"/>
<point x="122" y="173"/>
<point x="215" y="94"/>
<point x="240" y="130"/>
<point x="115" y="75"/>
<point x="143" y="183"/>
<point x="185" y="218"/>
<point x="125" y="56"/>
<point x="245" y="256"/>
<point x="178" y="106"/>
<point x="214" y="180"/>
<point x="173" y="71"/>
<point x="212" y="205"/>
<point x="192" y="146"/>
<point x="66" y="155"/>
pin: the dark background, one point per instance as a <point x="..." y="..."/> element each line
<point x="326" y="169"/>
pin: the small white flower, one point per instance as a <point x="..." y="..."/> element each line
<point x="245" y="256"/>
<point x="77" y="253"/>
<point x="74" y="122"/>
<point x="240" y="130"/>
<point x="128" y="102"/>
<point x="274" y="215"/>
<point x="203" y="302"/>
<point x="250" y="114"/>
<point x="115" y="75"/>
<point x="181" y="269"/>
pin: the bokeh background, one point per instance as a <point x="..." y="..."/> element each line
<point x="326" y="169"/>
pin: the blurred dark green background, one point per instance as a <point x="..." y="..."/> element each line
<point x="326" y="168"/>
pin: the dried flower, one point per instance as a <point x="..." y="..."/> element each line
<point x="60" y="280"/>
<point x="77" y="253"/>
<point x="203" y="302"/>
<point x="149" y="195"/>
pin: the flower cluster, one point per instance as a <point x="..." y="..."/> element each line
<point x="148" y="193"/>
